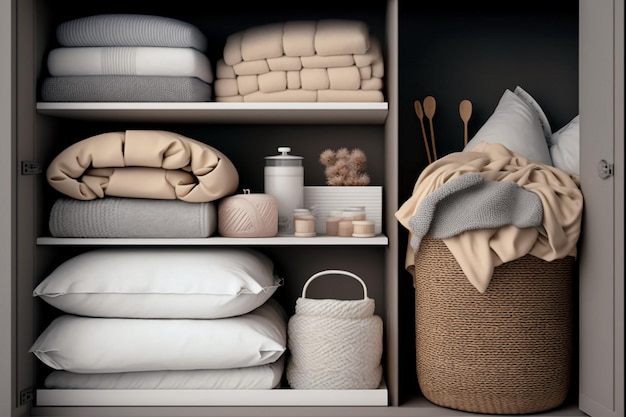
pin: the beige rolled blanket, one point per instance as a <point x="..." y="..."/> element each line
<point x="143" y="164"/>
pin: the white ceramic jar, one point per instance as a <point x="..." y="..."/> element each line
<point x="284" y="179"/>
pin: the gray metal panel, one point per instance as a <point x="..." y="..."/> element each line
<point x="601" y="310"/>
<point x="7" y="126"/>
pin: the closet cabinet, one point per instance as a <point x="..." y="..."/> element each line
<point x="569" y="57"/>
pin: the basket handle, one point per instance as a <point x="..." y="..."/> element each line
<point x="330" y="272"/>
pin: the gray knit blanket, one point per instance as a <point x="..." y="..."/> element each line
<point x="130" y="30"/>
<point x="125" y="88"/>
<point x="116" y="217"/>
<point x="469" y="203"/>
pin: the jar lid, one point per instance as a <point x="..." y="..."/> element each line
<point x="284" y="159"/>
<point x="350" y="214"/>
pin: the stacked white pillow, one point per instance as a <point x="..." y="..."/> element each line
<point x="520" y="124"/>
<point x="198" y="318"/>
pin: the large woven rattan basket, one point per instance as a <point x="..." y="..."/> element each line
<point x="505" y="351"/>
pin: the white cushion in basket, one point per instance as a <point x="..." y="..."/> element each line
<point x="516" y="125"/>
<point x="99" y="345"/>
<point x="159" y="282"/>
<point x="565" y="147"/>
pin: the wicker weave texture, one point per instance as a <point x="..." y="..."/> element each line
<point x="506" y="351"/>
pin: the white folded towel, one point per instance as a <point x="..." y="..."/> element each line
<point x="181" y="62"/>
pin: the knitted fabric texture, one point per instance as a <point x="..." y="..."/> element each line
<point x="334" y="344"/>
<point x="470" y="203"/>
<point x="131" y="218"/>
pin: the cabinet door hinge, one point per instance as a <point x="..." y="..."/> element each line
<point x="31" y="168"/>
<point x="26" y="395"/>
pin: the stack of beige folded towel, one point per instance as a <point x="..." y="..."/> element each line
<point x="330" y="60"/>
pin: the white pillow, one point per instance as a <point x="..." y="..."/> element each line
<point x="197" y="282"/>
<point x="532" y="103"/>
<point x="515" y="125"/>
<point x="99" y="345"/>
<point x="565" y="148"/>
<point x="251" y="377"/>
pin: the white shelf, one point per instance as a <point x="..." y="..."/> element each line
<point x="218" y="112"/>
<point x="226" y="397"/>
<point x="379" y="240"/>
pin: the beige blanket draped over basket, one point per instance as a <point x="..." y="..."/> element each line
<point x="494" y="304"/>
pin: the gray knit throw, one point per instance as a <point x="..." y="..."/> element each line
<point x="469" y="203"/>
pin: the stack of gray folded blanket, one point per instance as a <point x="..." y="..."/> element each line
<point x="128" y="58"/>
<point x="329" y="60"/>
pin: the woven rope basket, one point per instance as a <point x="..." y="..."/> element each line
<point x="334" y="344"/>
<point x="506" y="351"/>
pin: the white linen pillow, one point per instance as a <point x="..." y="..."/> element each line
<point x="515" y="125"/>
<point x="100" y="345"/>
<point x="532" y="103"/>
<point x="251" y="377"/>
<point x="565" y="147"/>
<point x="197" y="282"/>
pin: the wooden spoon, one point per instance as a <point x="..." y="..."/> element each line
<point x="420" y="115"/>
<point x="465" y="110"/>
<point x="429" y="110"/>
